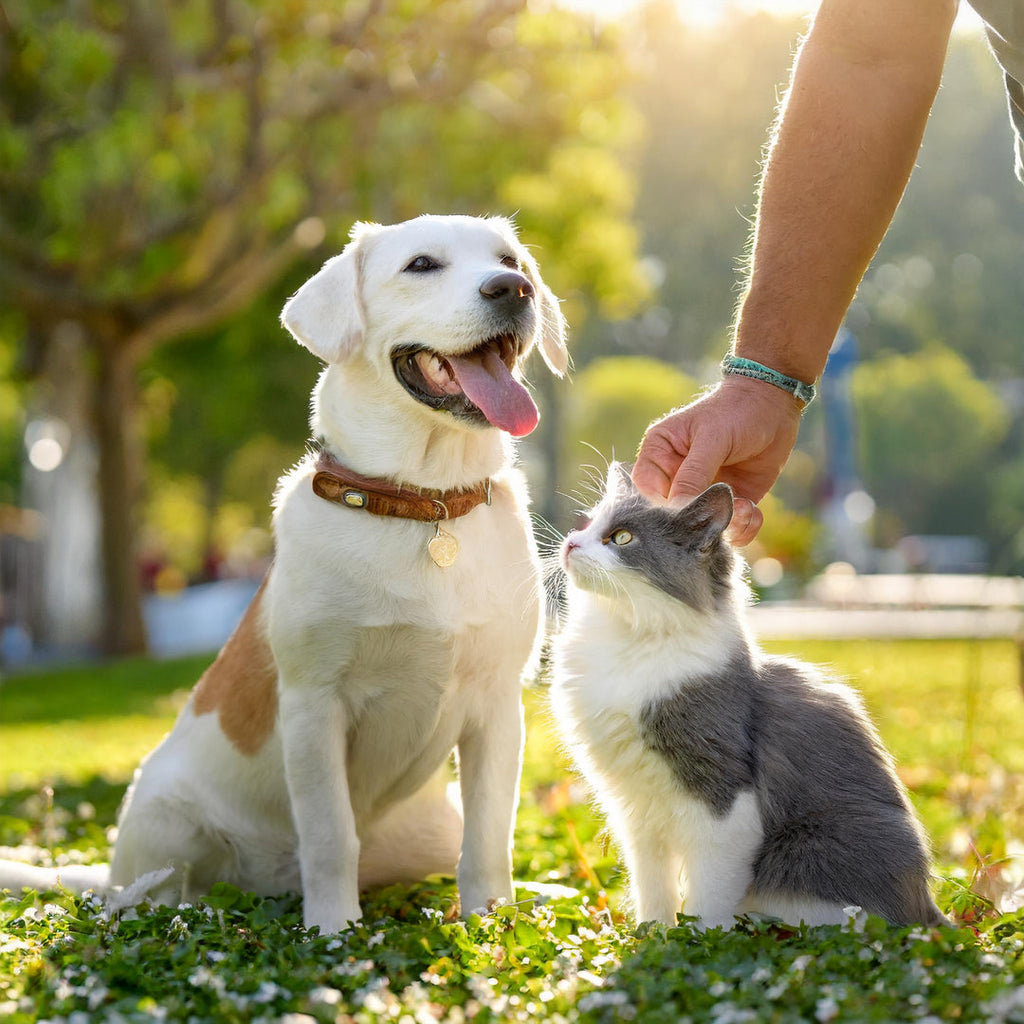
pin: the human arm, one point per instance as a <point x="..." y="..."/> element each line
<point x="847" y="135"/>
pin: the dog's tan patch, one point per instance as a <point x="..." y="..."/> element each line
<point x="241" y="684"/>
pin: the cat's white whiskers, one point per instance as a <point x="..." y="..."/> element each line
<point x="535" y="591"/>
<point x="602" y="457"/>
<point x="551" y="567"/>
<point x="545" y="528"/>
<point x="591" y="489"/>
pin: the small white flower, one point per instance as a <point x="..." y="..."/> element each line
<point x="826" y="1009"/>
<point x="267" y="992"/>
<point x="97" y="997"/>
<point x="856" y="918"/>
<point x="375" y="940"/>
<point x="374" y="1004"/>
<point x="730" y="1013"/>
<point x="349" y="970"/>
<point x="324" y="996"/>
<point x="479" y="987"/>
<point x="595" y="1000"/>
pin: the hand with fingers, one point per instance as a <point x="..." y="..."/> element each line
<point x="741" y="433"/>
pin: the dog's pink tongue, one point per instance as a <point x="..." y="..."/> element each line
<point x="490" y="386"/>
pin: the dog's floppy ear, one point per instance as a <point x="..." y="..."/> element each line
<point x="553" y="327"/>
<point x="326" y="314"/>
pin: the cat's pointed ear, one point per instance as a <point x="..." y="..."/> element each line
<point x="707" y="516"/>
<point x="620" y="479"/>
<point x="325" y="313"/>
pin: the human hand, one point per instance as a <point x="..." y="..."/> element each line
<point x="741" y="433"/>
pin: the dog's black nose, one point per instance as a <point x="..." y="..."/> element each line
<point x="507" y="290"/>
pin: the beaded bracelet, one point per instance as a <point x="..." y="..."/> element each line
<point x="748" y="368"/>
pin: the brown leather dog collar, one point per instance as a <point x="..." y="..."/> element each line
<point x="334" y="482"/>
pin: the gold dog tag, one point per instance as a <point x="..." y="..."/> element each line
<point x="443" y="547"/>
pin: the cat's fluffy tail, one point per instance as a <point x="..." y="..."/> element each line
<point x="79" y="878"/>
<point x="15" y="875"/>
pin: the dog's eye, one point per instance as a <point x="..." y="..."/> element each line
<point x="621" y="537"/>
<point x="421" y="264"/>
<point x="510" y="261"/>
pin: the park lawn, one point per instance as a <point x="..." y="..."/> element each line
<point x="951" y="712"/>
<point x="72" y="724"/>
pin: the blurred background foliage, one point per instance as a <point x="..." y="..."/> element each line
<point x="170" y="173"/>
<point x="609" y="405"/>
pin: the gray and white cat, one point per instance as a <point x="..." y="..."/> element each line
<point x="754" y="780"/>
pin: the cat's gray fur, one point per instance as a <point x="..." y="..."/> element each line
<point x="837" y="825"/>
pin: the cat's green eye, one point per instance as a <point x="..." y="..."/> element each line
<point x="621" y="537"/>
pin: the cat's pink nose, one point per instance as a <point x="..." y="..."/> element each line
<point x="570" y="546"/>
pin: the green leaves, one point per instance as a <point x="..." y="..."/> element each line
<point x="927" y="467"/>
<point x="141" y="141"/>
<point x="242" y="957"/>
<point x="239" y="956"/>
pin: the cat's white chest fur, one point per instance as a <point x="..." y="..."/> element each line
<point x="597" y="645"/>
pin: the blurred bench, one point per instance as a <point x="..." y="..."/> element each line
<point x="843" y="604"/>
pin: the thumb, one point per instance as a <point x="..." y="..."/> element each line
<point x="698" y="470"/>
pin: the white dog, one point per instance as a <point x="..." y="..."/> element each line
<point x="401" y="610"/>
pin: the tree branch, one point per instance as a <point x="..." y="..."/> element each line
<point x="229" y="293"/>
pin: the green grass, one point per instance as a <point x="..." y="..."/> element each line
<point x="951" y="712"/>
<point x="74" y="723"/>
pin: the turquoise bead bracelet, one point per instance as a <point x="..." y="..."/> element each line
<point x="748" y="368"/>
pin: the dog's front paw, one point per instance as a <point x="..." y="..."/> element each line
<point x="483" y="899"/>
<point x="331" y="919"/>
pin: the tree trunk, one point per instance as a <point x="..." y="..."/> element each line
<point x="120" y="474"/>
<point x="67" y="615"/>
<point x="213" y="489"/>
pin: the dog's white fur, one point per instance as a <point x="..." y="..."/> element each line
<point x="384" y="662"/>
